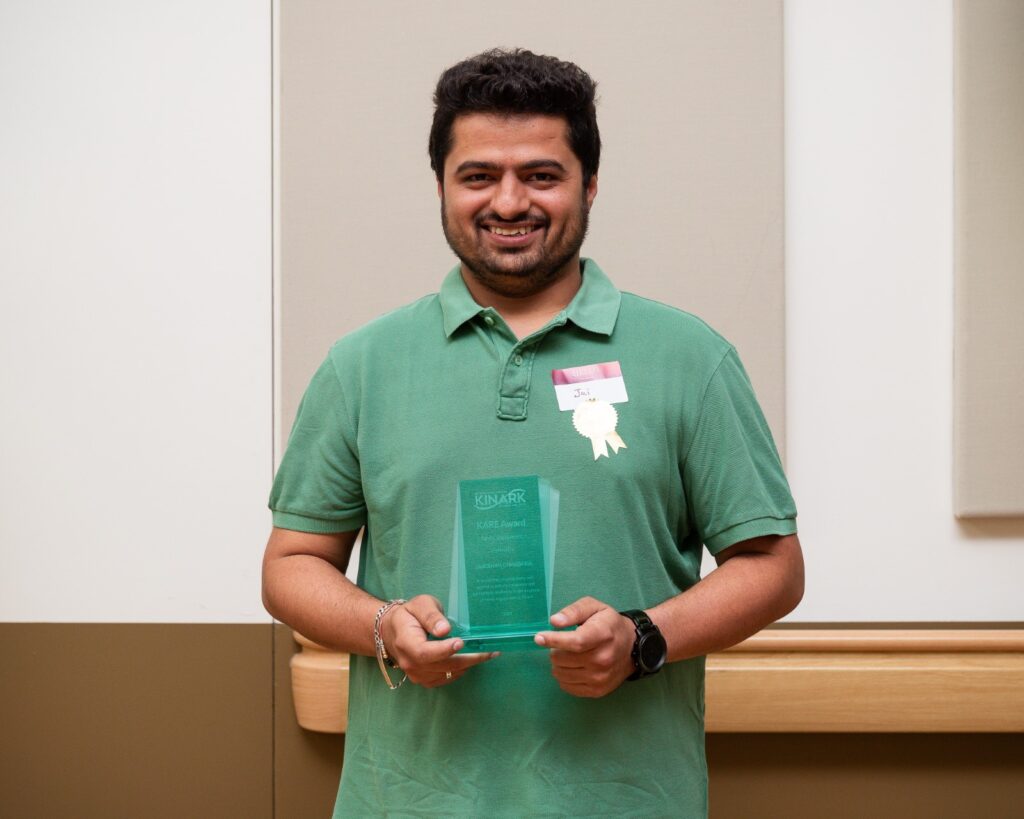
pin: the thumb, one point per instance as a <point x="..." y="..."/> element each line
<point x="430" y="614"/>
<point x="577" y="613"/>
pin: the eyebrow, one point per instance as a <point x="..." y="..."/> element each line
<point x="532" y="165"/>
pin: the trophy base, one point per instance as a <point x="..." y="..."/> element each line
<point x="477" y="641"/>
<point x="511" y="638"/>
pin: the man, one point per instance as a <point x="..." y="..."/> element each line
<point x="455" y="386"/>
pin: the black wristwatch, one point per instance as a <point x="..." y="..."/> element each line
<point x="649" y="650"/>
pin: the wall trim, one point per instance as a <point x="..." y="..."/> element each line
<point x="869" y="680"/>
<point x="883" y="640"/>
<point x="803" y="681"/>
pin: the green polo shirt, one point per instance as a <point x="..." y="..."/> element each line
<point x="441" y="391"/>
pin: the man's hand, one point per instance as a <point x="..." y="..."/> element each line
<point x="429" y="663"/>
<point x="596" y="658"/>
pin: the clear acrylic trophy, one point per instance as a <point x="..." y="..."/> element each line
<point x="503" y="556"/>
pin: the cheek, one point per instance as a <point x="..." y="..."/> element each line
<point x="463" y="211"/>
<point x="562" y="221"/>
<point x="558" y="206"/>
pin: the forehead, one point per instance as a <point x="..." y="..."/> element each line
<point x="509" y="138"/>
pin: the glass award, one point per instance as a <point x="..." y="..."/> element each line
<point x="503" y="555"/>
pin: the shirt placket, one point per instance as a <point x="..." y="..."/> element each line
<point x="517" y="369"/>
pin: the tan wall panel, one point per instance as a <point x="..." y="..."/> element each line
<point x="788" y="776"/>
<point x="851" y="776"/>
<point x="989" y="378"/>
<point x="307" y="765"/>
<point x="105" y="721"/>
<point x="784" y="775"/>
<point x="120" y="721"/>
<point x="690" y="208"/>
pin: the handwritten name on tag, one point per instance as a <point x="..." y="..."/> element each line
<point x="575" y="385"/>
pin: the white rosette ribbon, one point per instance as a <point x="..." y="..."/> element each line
<point x="596" y="419"/>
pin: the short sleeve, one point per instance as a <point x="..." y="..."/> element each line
<point x="318" y="487"/>
<point x="735" y="485"/>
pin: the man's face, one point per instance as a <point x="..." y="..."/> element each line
<point x="513" y="205"/>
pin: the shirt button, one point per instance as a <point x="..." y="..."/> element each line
<point x="518" y="361"/>
<point x="488" y="321"/>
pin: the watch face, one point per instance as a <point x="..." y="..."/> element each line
<point x="651" y="653"/>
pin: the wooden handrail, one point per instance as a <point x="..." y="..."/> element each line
<point x="884" y="640"/>
<point x="800" y="680"/>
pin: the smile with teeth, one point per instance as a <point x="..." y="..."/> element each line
<point x="517" y="231"/>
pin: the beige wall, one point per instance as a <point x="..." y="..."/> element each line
<point x="989" y="258"/>
<point x="689" y="209"/>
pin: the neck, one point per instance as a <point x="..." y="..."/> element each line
<point x="527" y="314"/>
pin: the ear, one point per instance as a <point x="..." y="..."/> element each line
<point x="440" y="189"/>
<point x="591" y="191"/>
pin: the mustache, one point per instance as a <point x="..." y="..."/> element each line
<point x="518" y="219"/>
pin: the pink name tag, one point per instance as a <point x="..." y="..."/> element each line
<point x="575" y="385"/>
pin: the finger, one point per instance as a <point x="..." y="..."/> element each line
<point x="464" y="661"/>
<point x="460" y="662"/>
<point x="424" y="653"/>
<point x="575" y="641"/>
<point x="566" y="659"/>
<point x="575" y="676"/>
<point x="582" y="690"/>
<point x="452" y="669"/>
<point x="435" y="679"/>
<point x="592" y="673"/>
<point x="576" y="613"/>
<point x="404" y="634"/>
<point x="451" y="675"/>
<point x="428" y="612"/>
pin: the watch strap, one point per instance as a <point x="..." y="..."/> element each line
<point x="644" y="626"/>
<point x="639" y="618"/>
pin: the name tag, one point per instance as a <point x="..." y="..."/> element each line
<point x="575" y="385"/>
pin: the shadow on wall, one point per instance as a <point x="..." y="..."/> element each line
<point x="992" y="528"/>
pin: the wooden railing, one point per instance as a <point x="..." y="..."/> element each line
<point x="801" y="680"/>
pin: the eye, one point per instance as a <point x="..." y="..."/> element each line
<point x="476" y="179"/>
<point x="541" y="176"/>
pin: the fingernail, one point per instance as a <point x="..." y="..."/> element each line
<point x="558" y="619"/>
<point x="495" y="654"/>
<point x="539" y="640"/>
<point x="439" y="626"/>
<point x="457" y="645"/>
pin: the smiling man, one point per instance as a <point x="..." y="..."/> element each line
<point x="605" y="716"/>
<point x="514" y="205"/>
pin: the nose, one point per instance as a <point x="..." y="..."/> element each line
<point x="510" y="197"/>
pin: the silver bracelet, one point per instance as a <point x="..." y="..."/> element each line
<point x="383" y="658"/>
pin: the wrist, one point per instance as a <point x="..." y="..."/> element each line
<point x="384" y="660"/>
<point x="385" y="631"/>
<point x="649" y="650"/>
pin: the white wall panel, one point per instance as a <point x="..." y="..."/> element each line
<point x="135" y="332"/>
<point x="869" y="186"/>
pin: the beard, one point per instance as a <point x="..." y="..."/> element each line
<point x="518" y="272"/>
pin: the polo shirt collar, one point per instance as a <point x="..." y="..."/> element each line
<point x="595" y="307"/>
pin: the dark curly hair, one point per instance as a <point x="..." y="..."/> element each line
<point x="517" y="81"/>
